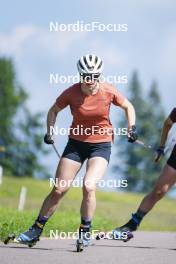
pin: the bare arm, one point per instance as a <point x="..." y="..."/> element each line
<point x="51" y="117"/>
<point x="130" y="113"/>
<point x="166" y="128"/>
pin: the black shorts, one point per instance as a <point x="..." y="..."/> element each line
<point x="80" y="151"/>
<point x="172" y="159"/>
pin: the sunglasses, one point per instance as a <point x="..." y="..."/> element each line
<point x="90" y="76"/>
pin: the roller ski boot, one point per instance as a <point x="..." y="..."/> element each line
<point x="123" y="233"/>
<point x="84" y="238"/>
<point x="29" y="237"/>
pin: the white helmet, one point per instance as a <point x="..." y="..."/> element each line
<point x="90" y="63"/>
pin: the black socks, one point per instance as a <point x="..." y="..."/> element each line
<point x="85" y="221"/>
<point x="135" y="221"/>
<point x="40" y="222"/>
<point x="140" y="214"/>
<point x="85" y="225"/>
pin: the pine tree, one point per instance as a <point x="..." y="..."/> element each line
<point x="137" y="163"/>
<point x="20" y="131"/>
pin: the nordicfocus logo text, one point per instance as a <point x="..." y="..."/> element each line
<point x="56" y="234"/>
<point x="88" y="131"/>
<point x="109" y="183"/>
<point x="81" y="26"/>
<point x="56" y="78"/>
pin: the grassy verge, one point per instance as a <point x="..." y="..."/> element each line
<point x="113" y="209"/>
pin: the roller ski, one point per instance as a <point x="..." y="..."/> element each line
<point x="116" y="234"/>
<point x="29" y="237"/>
<point x="123" y="233"/>
<point x="84" y="238"/>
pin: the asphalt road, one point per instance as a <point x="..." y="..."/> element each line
<point x="145" y="248"/>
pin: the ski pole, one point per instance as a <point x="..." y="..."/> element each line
<point x="55" y="149"/>
<point x="149" y="147"/>
<point x="141" y="143"/>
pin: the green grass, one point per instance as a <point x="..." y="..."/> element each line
<point x="113" y="209"/>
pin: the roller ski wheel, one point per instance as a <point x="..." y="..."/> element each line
<point x="104" y="235"/>
<point x="124" y="235"/>
<point x="129" y="236"/>
<point x="31" y="244"/>
<point x="79" y="245"/>
<point x="84" y="238"/>
<point x="10" y="238"/>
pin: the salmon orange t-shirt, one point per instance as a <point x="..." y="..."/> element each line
<point x="91" y="122"/>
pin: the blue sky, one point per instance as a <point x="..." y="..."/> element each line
<point x="148" y="46"/>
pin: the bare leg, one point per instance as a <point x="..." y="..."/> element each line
<point x="166" y="180"/>
<point x="66" y="171"/>
<point x="96" y="168"/>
